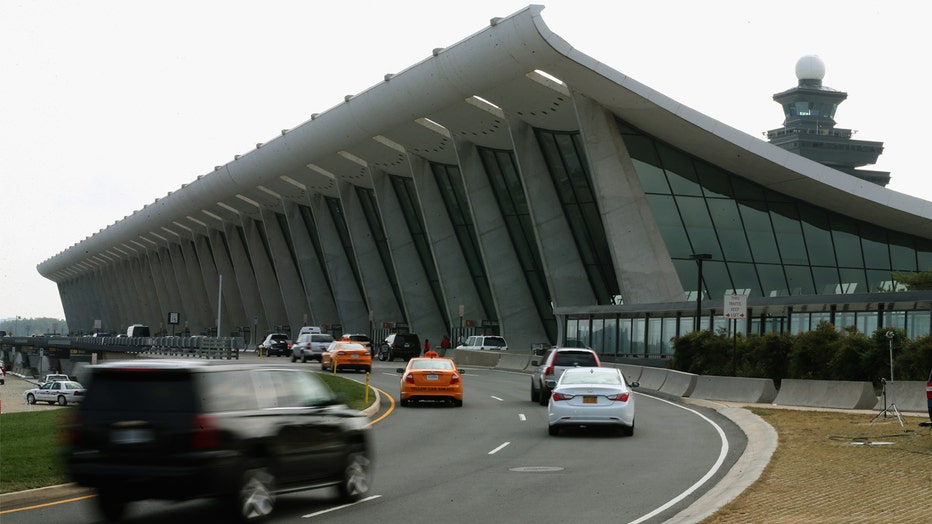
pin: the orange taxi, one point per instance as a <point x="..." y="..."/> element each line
<point x="346" y="355"/>
<point x="431" y="378"/>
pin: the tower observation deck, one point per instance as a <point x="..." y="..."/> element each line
<point x="809" y="126"/>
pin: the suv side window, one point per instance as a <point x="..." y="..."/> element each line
<point x="228" y="391"/>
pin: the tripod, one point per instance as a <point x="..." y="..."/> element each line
<point x="891" y="410"/>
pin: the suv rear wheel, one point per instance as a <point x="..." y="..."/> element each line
<point x="255" y="498"/>
<point x="356" y="477"/>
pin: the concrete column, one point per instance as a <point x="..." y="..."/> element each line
<point x="200" y="306"/>
<point x="269" y="291"/>
<point x="445" y="256"/>
<point x="346" y="295"/>
<point x="506" y="278"/>
<point x="563" y="267"/>
<point x="232" y="312"/>
<point x="354" y="309"/>
<point x="405" y="263"/>
<point x="289" y="282"/>
<point x="231" y="259"/>
<point x="162" y="276"/>
<point x="314" y="281"/>
<point x="196" y="310"/>
<point x="147" y="296"/>
<point x="642" y="262"/>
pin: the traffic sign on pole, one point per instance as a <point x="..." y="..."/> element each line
<point x="736" y="306"/>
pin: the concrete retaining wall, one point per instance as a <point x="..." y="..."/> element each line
<point x="735" y="389"/>
<point x="513" y="361"/>
<point x="485" y="359"/>
<point x="679" y="383"/>
<point x="841" y="394"/>
<point x="631" y="372"/>
<point x="908" y="395"/>
<point x="653" y="378"/>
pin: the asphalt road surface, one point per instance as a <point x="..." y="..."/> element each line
<point x="492" y="461"/>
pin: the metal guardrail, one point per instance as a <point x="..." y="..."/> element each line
<point x="197" y="347"/>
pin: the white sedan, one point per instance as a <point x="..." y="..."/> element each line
<point x="591" y="397"/>
<point x="60" y="392"/>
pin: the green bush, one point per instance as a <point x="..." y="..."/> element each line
<point x="824" y="353"/>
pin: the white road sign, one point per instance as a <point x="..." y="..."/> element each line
<point x="736" y="306"/>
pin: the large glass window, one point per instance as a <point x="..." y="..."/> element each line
<point x="769" y="243"/>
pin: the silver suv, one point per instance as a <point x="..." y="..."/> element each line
<point x="554" y="364"/>
<point x="310" y="346"/>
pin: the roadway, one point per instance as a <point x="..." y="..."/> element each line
<point x="492" y="460"/>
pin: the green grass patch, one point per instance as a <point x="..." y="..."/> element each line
<point x="353" y="393"/>
<point x="29" y="450"/>
<point x="29" y="442"/>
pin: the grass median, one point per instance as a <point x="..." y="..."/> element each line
<point x="30" y="441"/>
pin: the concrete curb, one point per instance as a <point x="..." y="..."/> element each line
<point x="762" y="442"/>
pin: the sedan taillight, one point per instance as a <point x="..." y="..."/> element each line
<point x="929" y="390"/>
<point x="454" y="378"/>
<point x="561" y="396"/>
<point x="409" y="378"/>
<point x="618" y="397"/>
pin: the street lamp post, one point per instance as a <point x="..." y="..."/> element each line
<point x="699" y="257"/>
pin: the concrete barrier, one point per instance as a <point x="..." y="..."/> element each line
<point x="679" y="383"/>
<point x="513" y="361"/>
<point x="653" y="378"/>
<point x="908" y="395"/>
<point x="631" y="372"/>
<point x="735" y="389"/>
<point x="841" y="394"/>
<point x="484" y="359"/>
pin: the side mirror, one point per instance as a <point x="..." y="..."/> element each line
<point x="551" y="383"/>
<point x="535" y="363"/>
<point x="462" y="371"/>
<point x="399" y="370"/>
<point x="635" y="384"/>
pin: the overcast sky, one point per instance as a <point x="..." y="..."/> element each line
<point x="107" y="105"/>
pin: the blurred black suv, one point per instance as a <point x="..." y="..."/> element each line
<point x="240" y="433"/>
<point x="400" y="345"/>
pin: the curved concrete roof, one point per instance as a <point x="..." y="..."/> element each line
<point x="466" y="90"/>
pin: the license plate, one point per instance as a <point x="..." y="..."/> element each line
<point x="131" y="436"/>
<point x="431" y="377"/>
<point x="590" y="400"/>
<point x="355" y="355"/>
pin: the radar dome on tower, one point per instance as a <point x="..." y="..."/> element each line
<point x="810" y="67"/>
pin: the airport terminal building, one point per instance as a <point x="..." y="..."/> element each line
<point x="511" y="184"/>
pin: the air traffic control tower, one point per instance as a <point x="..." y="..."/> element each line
<point x="809" y="126"/>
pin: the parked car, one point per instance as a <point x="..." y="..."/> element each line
<point x="310" y="346"/>
<point x="59" y="392"/>
<point x="177" y="430"/>
<point x="482" y="343"/>
<point x="346" y="355"/>
<point x="554" y="364"/>
<point x="431" y="378"/>
<point x="400" y="345"/>
<point x="277" y="344"/>
<point x="360" y="338"/>
<point x="591" y="397"/>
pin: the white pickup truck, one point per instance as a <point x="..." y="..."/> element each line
<point x="55" y="378"/>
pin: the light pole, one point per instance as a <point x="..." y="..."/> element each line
<point x="699" y="257"/>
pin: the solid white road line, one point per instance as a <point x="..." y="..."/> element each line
<point x="496" y="450"/>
